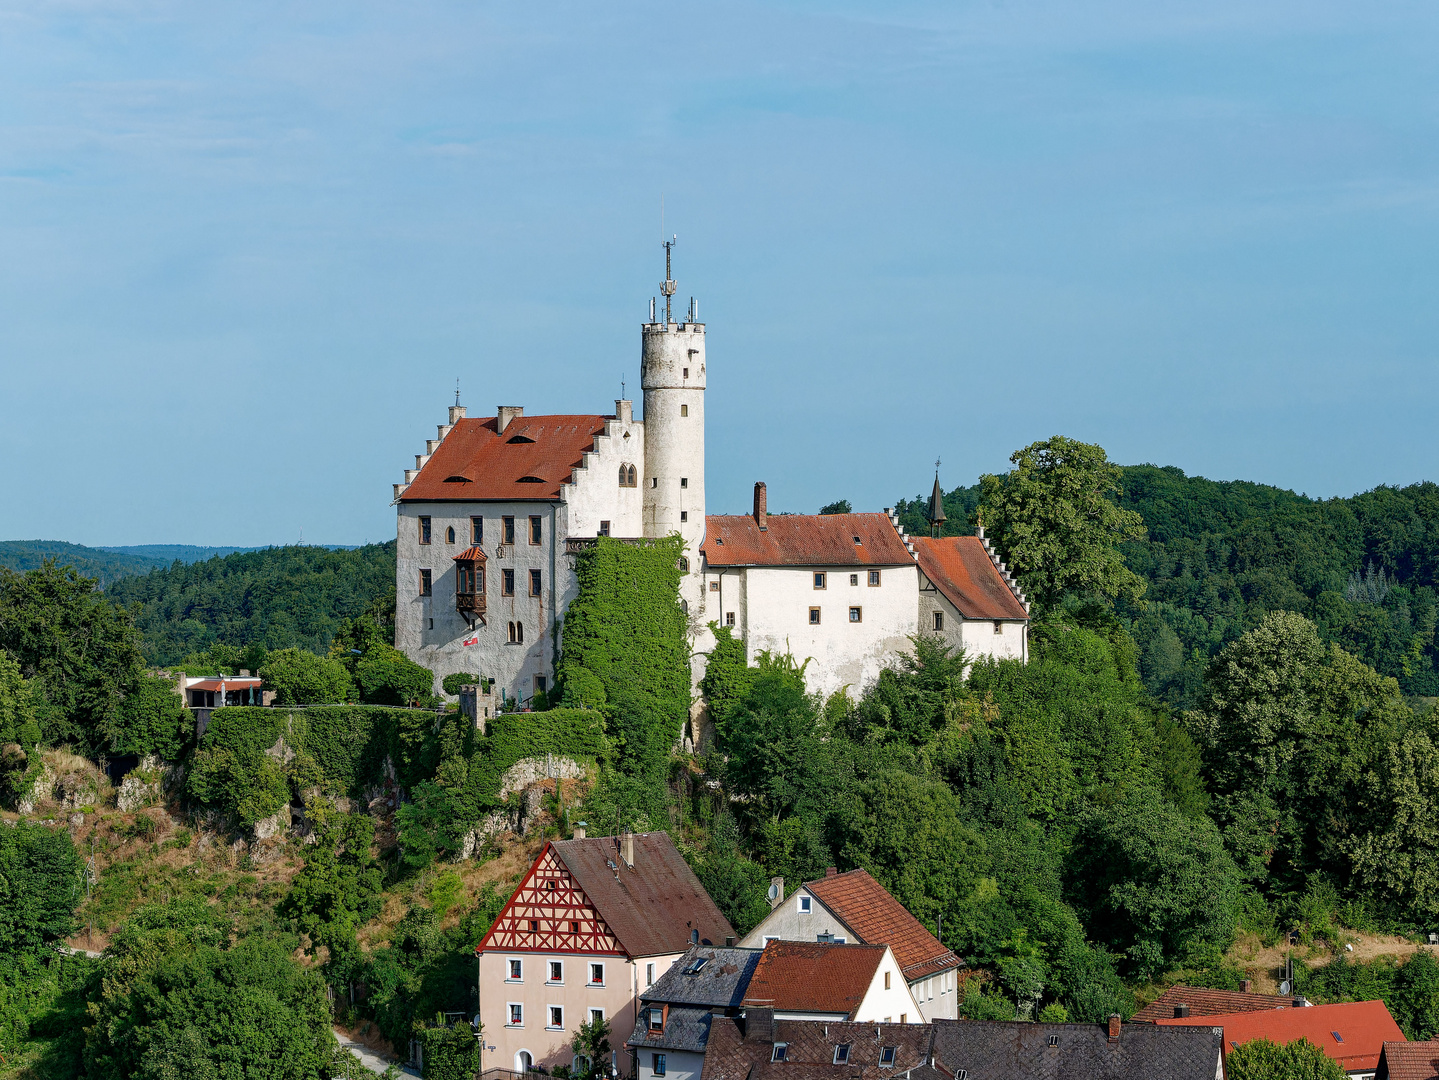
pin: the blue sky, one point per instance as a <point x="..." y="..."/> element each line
<point x="247" y="249"/>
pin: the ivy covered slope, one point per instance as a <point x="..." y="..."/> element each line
<point x="277" y="598"/>
<point x="1219" y="556"/>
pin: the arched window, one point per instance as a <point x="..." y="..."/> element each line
<point x="519" y="633"/>
<point x="512" y="632"/>
<point x="629" y="476"/>
<point x="684" y="565"/>
<point x="450" y="535"/>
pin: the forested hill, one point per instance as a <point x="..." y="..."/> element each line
<point x="281" y="597"/>
<point x="1222" y="554"/>
<point x="103" y="566"/>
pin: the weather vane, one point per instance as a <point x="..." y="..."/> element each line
<point x="457" y="390"/>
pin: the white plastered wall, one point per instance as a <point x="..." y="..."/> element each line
<point x="975" y="636"/>
<point x="888" y="1005"/>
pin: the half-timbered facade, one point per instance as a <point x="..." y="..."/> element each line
<point x="591" y="925"/>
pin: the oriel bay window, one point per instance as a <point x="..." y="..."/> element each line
<point x="470" y="585"/>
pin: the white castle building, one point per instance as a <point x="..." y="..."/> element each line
<point x="492" y="513"/>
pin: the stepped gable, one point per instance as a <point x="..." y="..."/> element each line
<point x="1409" y="1061"/>
<point x="876" y="917"/>
<point x="1352" y="1034"/>
<point x="804" y="540"/>
<point x="813" y="977"/>
<point x="531" y="460"/>
<point x="961" y="568"/>
<point x="1203" y="1002"/>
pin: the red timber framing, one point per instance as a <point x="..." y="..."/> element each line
<point x="550" y="913"/>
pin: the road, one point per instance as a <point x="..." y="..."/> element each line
<point x="369" y="1059"/>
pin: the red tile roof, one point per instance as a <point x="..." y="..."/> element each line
<point x="1203" y="1002"/>
<point x="810" y="977"/>
<point x="804" y="540"/>
<point x="651" y="907"/>
<point x="877" y="918"/>
<point x="962" y="570"/>
<point x="239" y="683"/>
<point x="1409" y="1061"/>
<point x="472" y="554"/>
<point x="474" y="461"/>
<point x="1352" y="1034"/>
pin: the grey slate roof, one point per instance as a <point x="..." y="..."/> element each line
<point x="719" y="984"/>
<point x="1013" y="1050"/>
<point x="686" y="1028"/>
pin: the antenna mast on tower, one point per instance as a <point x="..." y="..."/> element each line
<point x="668" y="285"/>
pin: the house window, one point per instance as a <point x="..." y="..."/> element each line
<point x="604" y="529"/>
<point x="684" y="481"/>
<point x="424" y="530"/>
<point x="729" y="618"/>
<point x="574" y="926"/>
<point x="780" y="1051"/>
<point x="540" y="684"/>
<point x="425" y="589"/>
<point x="886" y="1055"/>
<point x="534" y="583"/>
<point x="658" y="1064"/>
<point x="535" y="529"/>
<point x="684" y="515"/>
<point x="819" y="581"/>
<point x="649" y="974"/>
<point x="684" y="564"/>
<point x="686" y="374"/>
<point x="874" y="577"/>
<point x="657" y="1020"/>
<point x="805" y="905"/>
<point x="519" y="638"/>
<point x="517" y="1014"/>
<point x="841" y="1054"/>
<point x="627" y="476"/>
<point x="886" y="980"/>
<point x="535" y="929"/>
<point x="856" y="614"/>
<point x="477" y="530"/>
<point x="1054" y="1040"/>
<point x="557" y="971"/>
<point x="507" y="583"/>
<point x="596" y="1015"/>
<point x="517" y="970"/>
<point x="509" y="530"/>
<point x="998" y="627"/>
<point x="904" y="1018"/>
<point x="557" y="1018"/>
<point x="814" y="616"/>
<point x="684" y="410"/>
<point x="854" y="579"/>
<point x="450" y="535"/>
<point x="654" y="481"/>
<point x="597" y="974"/>
<point x="714" y="586"/>
<point x="938" y="621"/>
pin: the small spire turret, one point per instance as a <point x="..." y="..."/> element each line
<point x="935" y="513"/>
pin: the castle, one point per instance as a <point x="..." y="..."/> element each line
<point x="492" y="514"/>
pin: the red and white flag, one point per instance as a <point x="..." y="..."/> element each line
<point x="471" y="640"/>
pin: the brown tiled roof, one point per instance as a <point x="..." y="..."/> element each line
<point x="804" y="540"/>
<point x="472" y="554"/>
<point x="1351" y="1034"/>
<point x="813" y="977"/>
<point x="741" y="1048"/>
<point x="877" y="918"/>
<point x="1204" y="1002"/>
<point x="1409" y="1061"/>
<point x="651" y="907"/>
<point x="962" y="570"/>
<point x="474" y="461"/>
<point x="1018" y="1050"/>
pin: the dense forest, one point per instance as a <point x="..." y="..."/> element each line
<point x="1121" y="813"/>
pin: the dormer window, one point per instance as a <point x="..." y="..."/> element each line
<point x="886" y="1055"/>
<point x="519" y="439"/>
<point x="457" y="479"/>
<point x="530" y="480"/>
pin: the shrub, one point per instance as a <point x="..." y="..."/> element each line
<point x="453" y="682"/>
<point x="302" y="678"/>
<point x="389" y="677"/>
<point x="1265" y="1060"/>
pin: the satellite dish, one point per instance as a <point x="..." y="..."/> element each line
<point x="773" y="893"/>
<point x="1284" y="988"/>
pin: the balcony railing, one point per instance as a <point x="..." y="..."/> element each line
<point x="470" y="602"/>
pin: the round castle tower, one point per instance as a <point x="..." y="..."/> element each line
<point x="672" y="375"/>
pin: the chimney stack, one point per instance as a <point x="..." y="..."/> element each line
<point x="624" y="410"/>
<point x="729" y="942"/>
<point x="1181" y="1011"/>
<point x="761" y="506"/>
<point x="1244" y="986"/>
<point x="506" y="414"/>
<point x="1113" y="1027"/>
<point x="627" y="848"/>
<point x="579" y="831"/>
<point x="830" y="871"/>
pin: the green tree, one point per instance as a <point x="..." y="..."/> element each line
<point x="387" y="676"/>
<point x="840" y="506"/>
<point x="151" y="719"/>
<point x="17" y="707"/>
<point x="1056" y="524"/>
<point x="450" y="1052"/>
<point x="338" y="888"/>
<point x="302" y="678"/>
<point x="39" y="888"/>
<point x="1261" y="1059"/>
<point x="591" y="1044"/>
<point x="1395" y="854"/>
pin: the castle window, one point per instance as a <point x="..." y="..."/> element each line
<point x="684" y="410"/>
<point x="507" y="583"/>
<point x="425" y="583"/>
<point x="684" y="481"/>
<point x="856" y="614"/>
<point x="729" y="618"/>
<point x="654" y="481"/>
<point x="424" y="530"/>
<point x="535" y="527"/>
<point x="450" y="535"/>
<point x="519" y="633"/>
<point x="998" y="627"/>
<point x="604" y="529"/>
<point x="509" y="530"/>
<point x="714" y="586"/>
<point x="686" y="373"/>
<point x="534" y="583"/>
<point x="477" y="530"/>
<point x="684" y="515"/>
<point x="684" y="565"/>
<point x="540" y="684"/>
<point x="814" y="616"/>
<point x="874" y="577"/>
<point x="628" y="476"/>
<point x="819" y="580"/>
<point x="938" y="621"/>
<point x="854" y="579"/>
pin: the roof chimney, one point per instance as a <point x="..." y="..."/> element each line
<point x="627" y="848"/>
<point x="728" y="942"/>
<point x="579" y="831"/>
<point x="1113" y="1028"/>
<point x="761" y="506"/>
<point x="506" y="414"/>
<point x="1245" y="986"/>
<point x="624" y="410"/>
<point x="1181" y="1011"/>
<point x="830" y="871"/>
